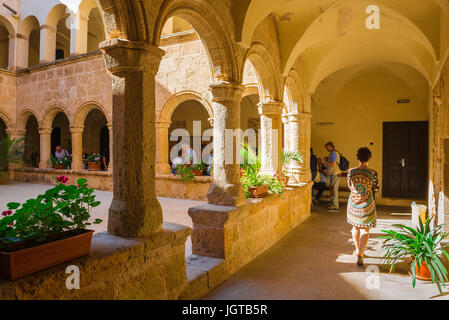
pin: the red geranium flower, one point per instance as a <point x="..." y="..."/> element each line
<point x="7" y="213"/>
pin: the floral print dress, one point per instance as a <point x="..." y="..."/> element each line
<point x="363" y="183"/>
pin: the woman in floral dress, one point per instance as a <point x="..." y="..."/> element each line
<point x="363" y="183"/>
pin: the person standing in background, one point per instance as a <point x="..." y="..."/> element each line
<point x="333" y="169"/>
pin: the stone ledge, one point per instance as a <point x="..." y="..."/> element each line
<point x="203" y="274"/>
<point x="200" y="179"/>
<point x="117" y="268"/>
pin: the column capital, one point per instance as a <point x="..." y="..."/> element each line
<point x="293" y="118"/>
<point x="225" y="91"/>
<point x="16" y="133"/>
<point x="163" y="124"/>
<point x="304" y="116"/>
<point x="45" y="130"/>
<point x="285" y="119"/>
<point x="77" y="129"/>
<point x="47" y="27"/>
<point x="123" y="56"/>
<point x="271" y="108"/>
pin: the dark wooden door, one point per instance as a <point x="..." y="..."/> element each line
<point x="405" y="159"/>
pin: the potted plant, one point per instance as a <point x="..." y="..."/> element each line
<point x="423" y="245"/>
<point x="94" y="162"/>
<point x="254" y="184"/>
<point x="46" y="231"/>
<point x="200" y="168"/>
<point x="186" y="172"/>
<point x="60" y="164"/>
<point x="11" y="152"/>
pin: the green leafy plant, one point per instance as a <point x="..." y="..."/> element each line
<point x="66" y="161"/>
<point x="186" y="172"/>
<point x="202" y="166"/>
<point x="94" y="157"/>
<point x="288" y="156"/>
<point x="11" y="151"/>
<point x="251" y="179"/>
<point x="423" y="244"/>
<point x="250" y="161"/>
<point x="64" y="208"/>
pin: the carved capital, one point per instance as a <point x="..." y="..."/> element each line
<point x="77" y="129"/>
<point x="226" y="91"/>
<point x="45" y="131"/>
<point x="123" y="56"/>
<point x="271" y="108"/>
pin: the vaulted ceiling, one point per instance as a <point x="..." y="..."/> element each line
<point x="331" y="35"/>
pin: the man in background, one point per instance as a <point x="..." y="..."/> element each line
<point x="333" y="169"/>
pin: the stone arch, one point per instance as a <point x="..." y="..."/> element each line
<point x="85" y="109"/>
<point x="55" y="14"/>
<point x="270" y="84"/>
<point x="178" y="99"/>
<point x="294" y="93"/>
<point x="27" y="25"/>
<point x="210" y="28"/>
<point x="50" y="114"/>
<point x="24" y="117"/>
<point x="8" y="25"/>
<point x="6" y="119"/>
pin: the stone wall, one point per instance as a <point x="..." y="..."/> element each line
<point x="8" y="89"/>
<point x="117" y="268"/>
<point x="238" y="235"/>
<point x="68" y="84"/>
<point x="166" y="186"/>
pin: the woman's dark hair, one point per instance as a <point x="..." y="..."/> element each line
<point x="364" y="154"/>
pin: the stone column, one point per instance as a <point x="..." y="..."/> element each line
<point x="77" y="147"/>
<point x="23" y="45"/>
<point x="78" y="34"/>
<point x="45" y="144"/>
<point x="294" y="167"/>
<point x="47" y="44"/>
<point x="135" y="210"/>
<point x="12" y="52"/>
<point x="162" y="152"/>
<point x="286" y="123"/>
<point x="305" y="137"/>
<point x="271" y="136"/>
<point x="111" y="148"/>
<point x="226" y="189"/>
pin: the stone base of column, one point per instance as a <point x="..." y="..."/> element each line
<point x="232" y="196"/>
<point x="145" y="220"/>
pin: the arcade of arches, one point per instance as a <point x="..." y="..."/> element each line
<point x="123" y="75"/>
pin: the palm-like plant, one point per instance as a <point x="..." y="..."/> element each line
<point x="291" y="155"/>
<point x="423" y="244"/>
<point x="251" y="162"/>
<point x="11" y="151"/>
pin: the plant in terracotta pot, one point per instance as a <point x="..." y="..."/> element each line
<point x="48" y="230"/>
<point x="60" y="164"/>
<point x="11" y="152"/>
<point x="253" y="184"/>
<point x="94" y="162"/>
<point x="200" y="168"/>
<point x="186" y="172"/>
<point x="424" y="245"/>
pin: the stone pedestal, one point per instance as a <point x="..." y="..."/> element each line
<point x="135" y="210"/>
<point x="226" y="189"/>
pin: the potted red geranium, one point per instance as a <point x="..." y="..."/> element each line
<point x="94" y="162"/>
<point x="46" y="231"/>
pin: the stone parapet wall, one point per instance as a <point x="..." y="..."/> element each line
<point x="117" y="268"/>
<point x="173" y="187"/>
<point x="99" y="180"/>
<point x="238" y="235"/>
<point x="166" y="186"/>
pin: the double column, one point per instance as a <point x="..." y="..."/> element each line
<point x="45" y="145"/>
<point x="226" y="189"/>
<point x="47" y="44"/>
<point x="305" y="133"/>
<point x="271" y="136"/>
<point x="135" y="210"/>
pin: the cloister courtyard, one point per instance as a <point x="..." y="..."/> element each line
<point x="280" y="273"/>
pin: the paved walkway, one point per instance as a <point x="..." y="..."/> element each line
<point x="174" y="210"/>
<point x="316" y="261"/>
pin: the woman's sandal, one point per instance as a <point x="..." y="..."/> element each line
<point x="360" y="261"/>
